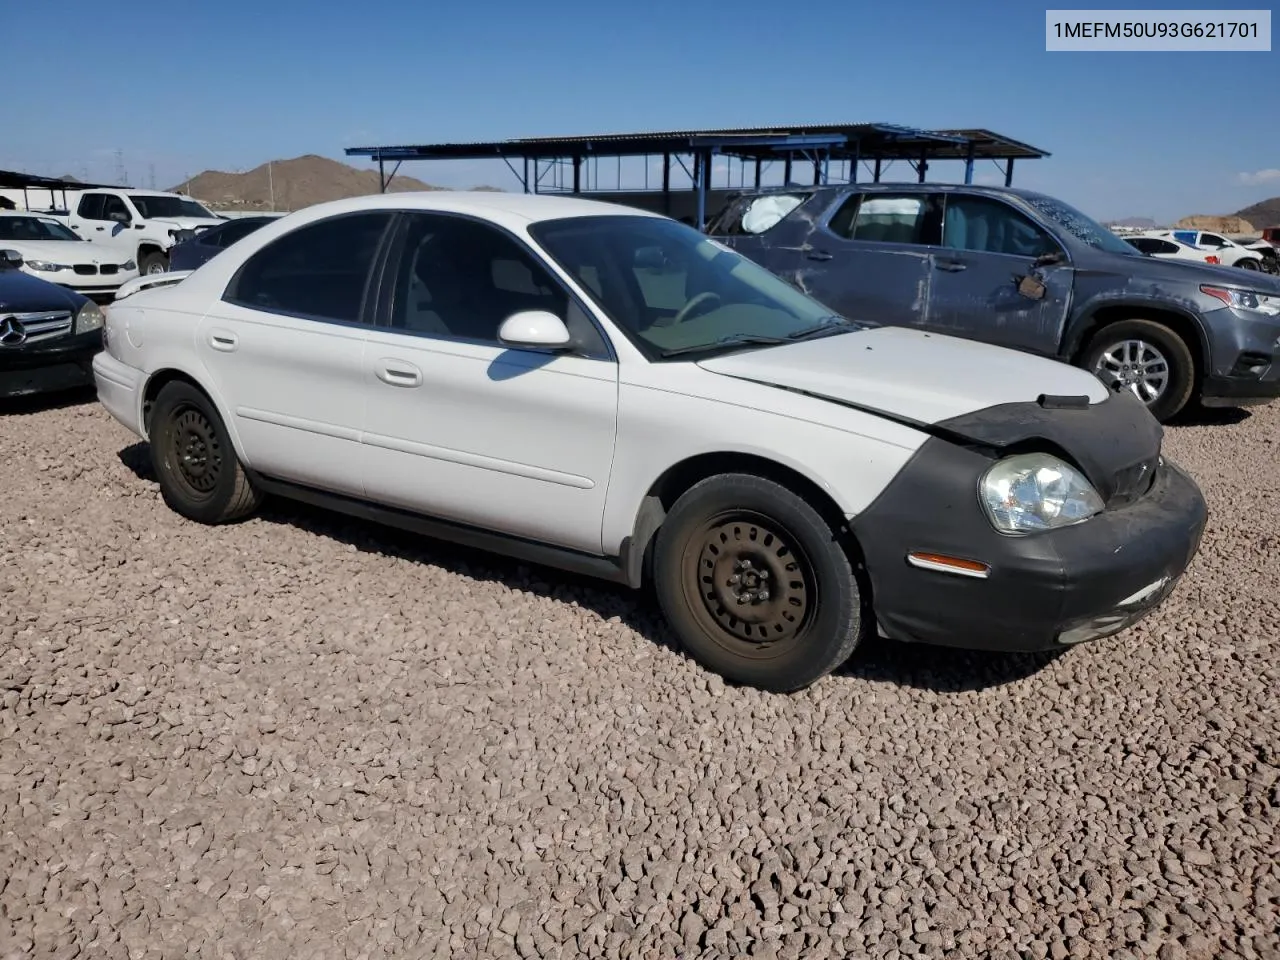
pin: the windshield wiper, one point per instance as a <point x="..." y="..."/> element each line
<point x="829" y="324"/>
<point x="733" y="340"/>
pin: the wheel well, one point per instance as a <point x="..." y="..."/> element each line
<point x="146" y="248"/>
<point x="1183" y="326"/>
<point x="669" y="487"/>
<point x="159" y="380"/>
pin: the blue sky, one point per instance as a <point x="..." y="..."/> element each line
<point x="230" y="84"/>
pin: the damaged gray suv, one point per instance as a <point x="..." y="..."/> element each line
<point x="1021" y="270"/>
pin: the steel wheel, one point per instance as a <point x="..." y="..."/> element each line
<point x="155" y="267"/>
<point x="1134" y="365"/>
<point x="1248" y="264"/>
<point x="756" y="587"/>
<point x="196" y="452"/>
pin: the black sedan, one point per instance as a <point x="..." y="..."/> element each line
<point x="48" y="333"/>
<point x="208" y="243"/>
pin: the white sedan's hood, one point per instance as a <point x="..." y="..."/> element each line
<point x="921" y="376"/>
<point x="69" y="252"/>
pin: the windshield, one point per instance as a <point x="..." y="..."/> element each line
<point x="670" y="289"/>
<point x="34" y="228"/>
<point x="167" y="207"/>
<point x="1079" y="225"/>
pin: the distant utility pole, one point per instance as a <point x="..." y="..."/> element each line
<point x="152" y="176"/>
<point x="271" y="183"/>
<point x="122" y="177"/>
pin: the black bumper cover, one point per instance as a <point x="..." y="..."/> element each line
<point x="62" y="364"/>
<point x="1040" y="586"/>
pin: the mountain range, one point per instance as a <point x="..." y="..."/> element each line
<point x="286" y="185"/>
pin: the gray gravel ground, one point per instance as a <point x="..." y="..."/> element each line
<point x="300" y="737"/>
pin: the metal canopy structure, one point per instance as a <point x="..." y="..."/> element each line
<point x="14" y="180"/>
<point x="868" y="145"/>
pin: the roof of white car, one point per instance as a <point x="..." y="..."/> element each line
<point x="528" y="207"/>
<point x="27" y="213"/>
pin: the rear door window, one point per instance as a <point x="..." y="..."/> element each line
<point x="908" y="218"/>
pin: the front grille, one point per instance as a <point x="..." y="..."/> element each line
<point x="36" y="326"/>
<point x="108" y="269"/>
<point x="1133" y="482"/>
<point x="86" y="269"/>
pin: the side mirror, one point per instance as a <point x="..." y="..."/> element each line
<point x="120" y="216"/>
<point x="11" y="258"/>
<point x="534" y="328"/>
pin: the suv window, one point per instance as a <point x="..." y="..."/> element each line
<point x="318" y="271"/>
<point x="985" y="225"/>
<point x="91" y="206"/>
<point x="886" y="218"/>
<point x="755" y="214"/>
<point x="228" y="234"/>
<point x="460" y="278"/>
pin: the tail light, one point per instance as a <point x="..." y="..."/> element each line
<point x="1212" y="259"/>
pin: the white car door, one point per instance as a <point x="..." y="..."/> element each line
<point x="462" y="428"/>
<point x="284" y="347"/>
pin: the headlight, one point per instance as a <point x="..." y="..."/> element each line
<point x="1264" y="303"/>
<point x="1035" y="491"/>
<point x="44" y="266"/>
<point x="90" y="317"/>
<point x="129" y="265"/>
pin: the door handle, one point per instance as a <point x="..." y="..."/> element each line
<point x="99" y="229"/>
<point x="818" y="255"/>
<point x="223" y="340"/>
<point x="951" y="266"/>
<point x="397" y="373"/>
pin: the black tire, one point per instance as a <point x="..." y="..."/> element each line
<point x="1179" y="363"/>
<point x="1248" y="263"/>
<point x="153" y="262"/>
<point x="793" y="635"/>
<point x="200" y="475"/>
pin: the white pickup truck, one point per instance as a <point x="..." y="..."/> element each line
<point x="148" y="221"/>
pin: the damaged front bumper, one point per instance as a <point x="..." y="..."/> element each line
<point x="1041" y="591"/>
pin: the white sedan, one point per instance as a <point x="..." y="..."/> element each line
<point x="1228" y="252"/>
<point x="1166" y="247"/>
<point x="608" y="391"/>
<point x="51" y="251"/>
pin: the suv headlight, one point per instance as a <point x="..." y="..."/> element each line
<point x="45" y="266"/>
<point x="1263" y="303"/>
<point x="89" y="317"/>
<point x="1031" y="492"/>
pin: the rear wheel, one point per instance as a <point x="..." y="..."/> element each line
<point x="199" y="472"/>
<point x="1147" y="359"/>
<point x="755" y="584"/>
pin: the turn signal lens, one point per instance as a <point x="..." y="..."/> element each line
<point x="944" y="564"/>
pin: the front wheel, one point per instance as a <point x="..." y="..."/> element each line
<point x="1147" y="359"/>
<point x="1248" y="263"/>
<point x="755" y="584"/>
<point x="153" y="263"/>
<point x="191" y="453"/>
